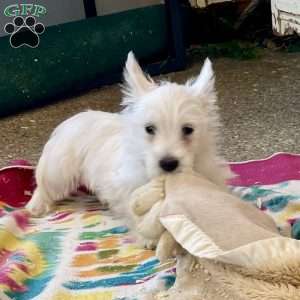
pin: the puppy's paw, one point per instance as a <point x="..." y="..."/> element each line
<point x="104" y="204"/>
<point x="38" y="210"/>
<point x="167" y="247"/>
<point x="146" y="196"/>
<point x="147" y="243"/>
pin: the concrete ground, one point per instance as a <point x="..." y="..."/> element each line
<point x="259" y="104"/>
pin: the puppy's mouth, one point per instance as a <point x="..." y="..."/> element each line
<point x="180" y="169"/>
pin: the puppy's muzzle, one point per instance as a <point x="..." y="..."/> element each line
<point x="169" y="164"/>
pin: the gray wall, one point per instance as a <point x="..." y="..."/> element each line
<point x="111" y="6"/>
<point x="63" y="11"/>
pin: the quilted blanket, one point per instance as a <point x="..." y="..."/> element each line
<point x="81" y="251"/>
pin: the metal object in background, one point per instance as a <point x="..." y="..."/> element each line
<point x="90" y="8"/>
<point x="286" y="16"/>
<point x="176" y="59"/>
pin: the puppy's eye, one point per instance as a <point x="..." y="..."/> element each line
<point x="187" y="130"/>
<point x="150" y="129"/>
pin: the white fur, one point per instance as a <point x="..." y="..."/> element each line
<point x="113" y="155"/>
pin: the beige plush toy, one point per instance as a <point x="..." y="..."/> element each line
<point x="233" y="250"/>
<point x="146" y="205"/>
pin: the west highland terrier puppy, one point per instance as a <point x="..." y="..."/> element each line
<point x="164" y="127"/>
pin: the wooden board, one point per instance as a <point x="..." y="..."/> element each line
<point x="204" y="3"/>
<point x="286" y="16"/>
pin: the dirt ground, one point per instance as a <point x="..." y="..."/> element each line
<point x="259" y="103"/>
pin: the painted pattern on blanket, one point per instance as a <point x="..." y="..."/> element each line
<point x="81" y="250"/>
<point x="280" y="201"/>
<point x="77" y="252"/>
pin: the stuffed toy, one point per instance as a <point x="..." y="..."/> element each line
<point x="230" y="249"/>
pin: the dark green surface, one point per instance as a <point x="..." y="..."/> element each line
<point x="71" y="56"/>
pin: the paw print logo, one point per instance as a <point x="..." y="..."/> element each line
<point x="24" y="32"/>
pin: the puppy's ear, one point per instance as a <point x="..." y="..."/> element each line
<point x="136" y="82"/>
<point x="205" y="83"/>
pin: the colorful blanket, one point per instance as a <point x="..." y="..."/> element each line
<point x="81" y="251"/>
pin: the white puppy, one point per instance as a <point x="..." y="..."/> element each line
<point x="165" y="127"/>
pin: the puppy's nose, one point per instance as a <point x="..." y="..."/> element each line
<point x="169" y="164"/>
